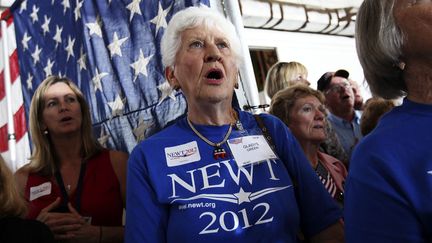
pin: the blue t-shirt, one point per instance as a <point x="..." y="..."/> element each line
<point x="389" y="187"/>
<point x="203" y="199"/>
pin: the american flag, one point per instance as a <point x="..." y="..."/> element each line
<point x="21" y="141"/>
<point x="326" y="179"/>
<point x="111" y="49"/>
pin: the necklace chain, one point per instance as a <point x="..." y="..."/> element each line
<point x="208" y="141"/>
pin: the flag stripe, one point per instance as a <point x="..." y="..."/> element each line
<point x="17" y="104"/>
<point x="13" y="57"/>
<point x="23" y="153"/>
<point x="14" y="68"/>
<point x="2" y="87"/>
<point x="19" y="125"/>
<point x="14" y="73"/>
<point x="3" y="141"/>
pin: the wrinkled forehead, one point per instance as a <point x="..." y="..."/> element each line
<point x="308" y="99"/>
<point x="338" y="80"/>
<point x="58" y="88"/>
<point x="202" y="31"/>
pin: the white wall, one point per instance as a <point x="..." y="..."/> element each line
<point x="319" y="53"/>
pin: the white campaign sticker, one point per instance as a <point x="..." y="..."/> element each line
<point x="39" y="191"/>
<point x="182" y="154"/>
<point x="250" y="149"/>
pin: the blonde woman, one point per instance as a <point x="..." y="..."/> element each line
<point x="72" y="184"/>
<point x="12" y="208"/>
<point x="284" y="74"/>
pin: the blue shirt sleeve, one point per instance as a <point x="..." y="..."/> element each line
<point x="144" y="214"/>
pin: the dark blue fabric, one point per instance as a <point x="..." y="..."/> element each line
<point x="388" y="193"/>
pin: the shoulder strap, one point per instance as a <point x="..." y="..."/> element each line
<point x="265" y="132"/>
<point x="269" y="139"/>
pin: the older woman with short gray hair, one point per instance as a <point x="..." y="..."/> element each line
<point x="212" y="176"/>
<point x="389" y="186"/>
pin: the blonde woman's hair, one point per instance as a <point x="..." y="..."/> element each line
<point x="281" y="75"/>
<point x="283" y="101"/>
<point x="11" y="202"/>
<point x="43" y="159"/>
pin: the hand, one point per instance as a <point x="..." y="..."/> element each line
<point x="85" y="233"/>
<point x="61" y="224"/>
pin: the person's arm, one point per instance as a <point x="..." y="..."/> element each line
<point x="62" y="225"/>
<point x="110" y="234"/>
<point x="146" y="218"/>
<point x="119" y="164"/>
<point x="332" y="234"/>
<point x="21" y="176"/>
<point x="94" y="233"/>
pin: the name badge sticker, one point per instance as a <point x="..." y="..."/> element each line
<point x="182" y="154"/>
<point x="39" y="191"/>
<point x="250" y="149"/>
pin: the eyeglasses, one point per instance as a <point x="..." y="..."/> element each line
<point x="336" y="88"/>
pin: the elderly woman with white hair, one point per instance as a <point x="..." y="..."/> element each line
<point x="212" y="176"/>
<point x="389" y="186"/>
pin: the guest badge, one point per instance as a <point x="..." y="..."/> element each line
<point x="250" y="149"/>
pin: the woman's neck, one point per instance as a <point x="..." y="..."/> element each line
<point x="212" y="115"/>
<point x="311" y="152"/>
<point x="68" y="148"/>
<point x="418" y="79"/>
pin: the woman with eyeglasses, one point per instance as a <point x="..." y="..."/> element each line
<point x="339" y="100"/>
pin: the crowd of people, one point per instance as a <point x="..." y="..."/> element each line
<point x="321" y="166"/>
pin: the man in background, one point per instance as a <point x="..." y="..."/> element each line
<point x="344" y="119"/>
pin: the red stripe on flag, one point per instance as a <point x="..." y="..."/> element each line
<point x="20" y="129"/>
<point x="3" y="139"/>
<point x="14" y="72"/>
<point x="2" y="85"/>
<point x="7" y="15"/>
<point x="14" y="67"/>
<point x="20" y="123"/>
